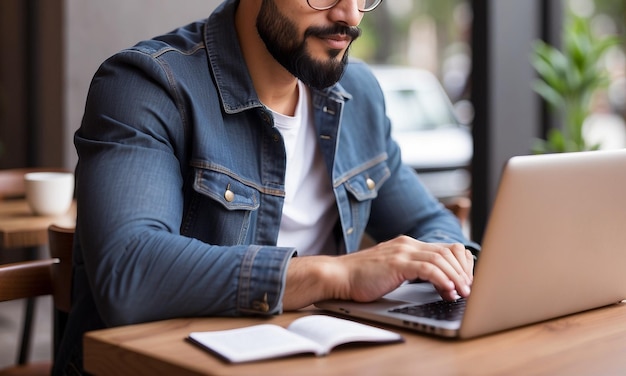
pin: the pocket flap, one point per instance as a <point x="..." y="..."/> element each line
<point x="227" y="190"/>
<point x="365" y="185"/>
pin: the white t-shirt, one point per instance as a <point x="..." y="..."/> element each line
<point x="309" y="212"/>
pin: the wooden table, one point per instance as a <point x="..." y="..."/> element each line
<point x="20" y="228"/>
<point x="590" y="343"/>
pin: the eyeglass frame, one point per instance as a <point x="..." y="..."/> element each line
<point x="337" y="2"/>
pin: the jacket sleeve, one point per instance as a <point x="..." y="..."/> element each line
<point x="130" y="206"/>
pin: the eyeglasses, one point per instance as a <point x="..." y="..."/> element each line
<point x="364" y="5"/>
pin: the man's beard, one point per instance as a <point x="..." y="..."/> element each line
<point x="278" y="32"/>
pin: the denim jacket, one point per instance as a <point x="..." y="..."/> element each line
<point x="180" y="182"/>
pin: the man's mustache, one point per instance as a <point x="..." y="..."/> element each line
<point x="322" y="32"/>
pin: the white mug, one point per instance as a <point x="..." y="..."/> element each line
<point x="49" y="193"/>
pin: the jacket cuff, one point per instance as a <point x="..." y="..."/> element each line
<point x="262" y="279"/>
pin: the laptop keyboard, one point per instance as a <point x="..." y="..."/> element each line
<point x="439" y="310"/>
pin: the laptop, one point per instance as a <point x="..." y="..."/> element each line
<point x="554" y="245"/>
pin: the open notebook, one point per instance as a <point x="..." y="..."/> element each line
<point x="555" y="244"/>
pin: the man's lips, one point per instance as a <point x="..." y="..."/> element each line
<point x="337" y="41"/>
<point x="337" y="37"/>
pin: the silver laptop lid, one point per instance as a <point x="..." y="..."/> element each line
<point x="555" y="243"/>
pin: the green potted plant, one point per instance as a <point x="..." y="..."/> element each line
<point x="567" y="80"/>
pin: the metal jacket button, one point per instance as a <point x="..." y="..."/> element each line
<point x="261" y="306"/>
<point x="229" y="195"/>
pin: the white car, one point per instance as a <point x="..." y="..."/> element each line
<point x="424" y="124"/>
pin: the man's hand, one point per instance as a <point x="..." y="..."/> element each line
<point x="371" y="273"/>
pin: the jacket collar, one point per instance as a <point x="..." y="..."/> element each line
<point x="233" y="80"/>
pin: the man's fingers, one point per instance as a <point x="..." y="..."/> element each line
<point x="454" y="263"/>
<point x="448" y="267"/>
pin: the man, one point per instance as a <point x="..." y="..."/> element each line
<point x="223" y="170"/>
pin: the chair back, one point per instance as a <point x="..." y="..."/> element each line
<point x="27" y="279"/>
<point x="60" y="242"/>
<point x="21" y="280"/>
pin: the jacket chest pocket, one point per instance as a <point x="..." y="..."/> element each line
<point x="365" y="185"/>
<point x="221" y="209"/>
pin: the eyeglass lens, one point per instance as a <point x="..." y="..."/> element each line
<point x="364" y="5"/>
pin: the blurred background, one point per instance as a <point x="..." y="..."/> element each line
<point x="462" y="67"/>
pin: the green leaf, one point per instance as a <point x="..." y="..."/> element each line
<point x="554" y="99"/>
